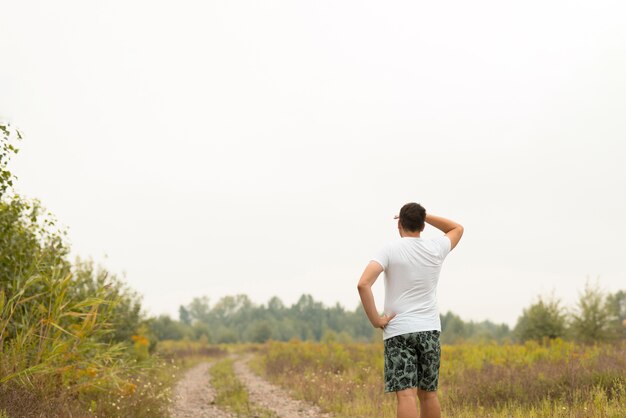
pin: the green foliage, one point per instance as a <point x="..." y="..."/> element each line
<point x="616" y="307"/>
<point x="42" y="332"/>
<point x="455" y="330"/>
<point x="261" y="331"/>
<point x="29" y="243"/>
<point x="591" y="321"/>
<point x="597" y="317"/>
<point x="57" y="357"/>
<point x="8" y="137"/>
<point x="237" y="319"/>
<point x="67" y="333"/>
<point x="124" y="312"/>
<point x="545" y="319"/>
<point x="165" y="328"/>
<point x="184" y="315"/>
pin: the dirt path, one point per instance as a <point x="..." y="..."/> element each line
<point x="193" y="395"/>
<point x="272" y="397"/>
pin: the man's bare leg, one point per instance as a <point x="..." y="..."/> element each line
<point x="429" y="404"/>
<point x="407" y="403"/>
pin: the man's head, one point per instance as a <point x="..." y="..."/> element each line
<point x="412" y="217"/>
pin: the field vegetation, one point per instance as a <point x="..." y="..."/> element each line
<point x="554" y="379"/>
<point x="73" y="341"/>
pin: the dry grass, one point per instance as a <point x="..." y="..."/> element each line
<point x="56" y="362"/>
<point x="172" y="349"/>
<point x="557" y="379"/>
<point x="19" y="401"/>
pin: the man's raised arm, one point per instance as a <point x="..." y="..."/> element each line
<point x="453" y="230"/>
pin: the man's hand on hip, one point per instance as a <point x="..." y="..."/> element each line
<point x="384" y="320"/>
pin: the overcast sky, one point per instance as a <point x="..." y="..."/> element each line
<point x="263" y="147"/>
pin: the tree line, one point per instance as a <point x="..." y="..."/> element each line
<point x="598" y="317"/>
<point x="234" y="319"/>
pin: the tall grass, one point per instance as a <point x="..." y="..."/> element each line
<point x="56" y="357"/>
<point x="71" y="340"/>
<point x="557" y="379"/>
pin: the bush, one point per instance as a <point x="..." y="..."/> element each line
<point x="591" y="320"/>
<point x="545" y="319"/>
<point x="71" y="336"/>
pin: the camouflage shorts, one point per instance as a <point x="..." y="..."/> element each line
<point x="412" y="360"/>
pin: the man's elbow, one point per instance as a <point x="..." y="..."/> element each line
<point x="455" y="236"/>
<point x="362" y="286"/>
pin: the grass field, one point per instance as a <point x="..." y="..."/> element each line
<point x="559" y="379"/>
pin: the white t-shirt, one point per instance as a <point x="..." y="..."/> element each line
<point x="412" y="267"/>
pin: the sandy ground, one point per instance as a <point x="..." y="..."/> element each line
<point x="194" y="396"/>
<point x="272" y="397"/>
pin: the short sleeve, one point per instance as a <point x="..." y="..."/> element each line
<point x="382" y="257"/>
<point x="444" y="245"/>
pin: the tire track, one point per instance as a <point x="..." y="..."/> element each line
<point x="194" y="396"/>
<point x="272" y="397"/>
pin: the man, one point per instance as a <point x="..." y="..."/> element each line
<point x="410" y="323"/>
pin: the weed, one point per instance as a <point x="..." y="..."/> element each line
<point x="232" y="394"/>
<point x="556" y="379"/>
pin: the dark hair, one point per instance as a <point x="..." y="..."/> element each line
<point x="412" y="217"/>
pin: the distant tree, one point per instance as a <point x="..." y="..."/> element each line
<point x="285" y="329"/>
<point x="199" y="309"/>
<point x="359" y="326"/>
<point x="545" y="319"/>
<point x="224" y="335"/>
<point x="202" y="330"/>
<point x="500" y="332"/>
<point x="238" y="319"/>
<point x="455" y="330"/>
<point x="229" y="308"/>
<point x="591" y="320"/>
<point x="165" y="328"/>
<point x="261" y="331"/>
<point x="275" y="305"/>
<point x="452" y="328"/>
<point x="312" y="317"/>
<point x="616" y="306"/>
<point x="184" y="316"/>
